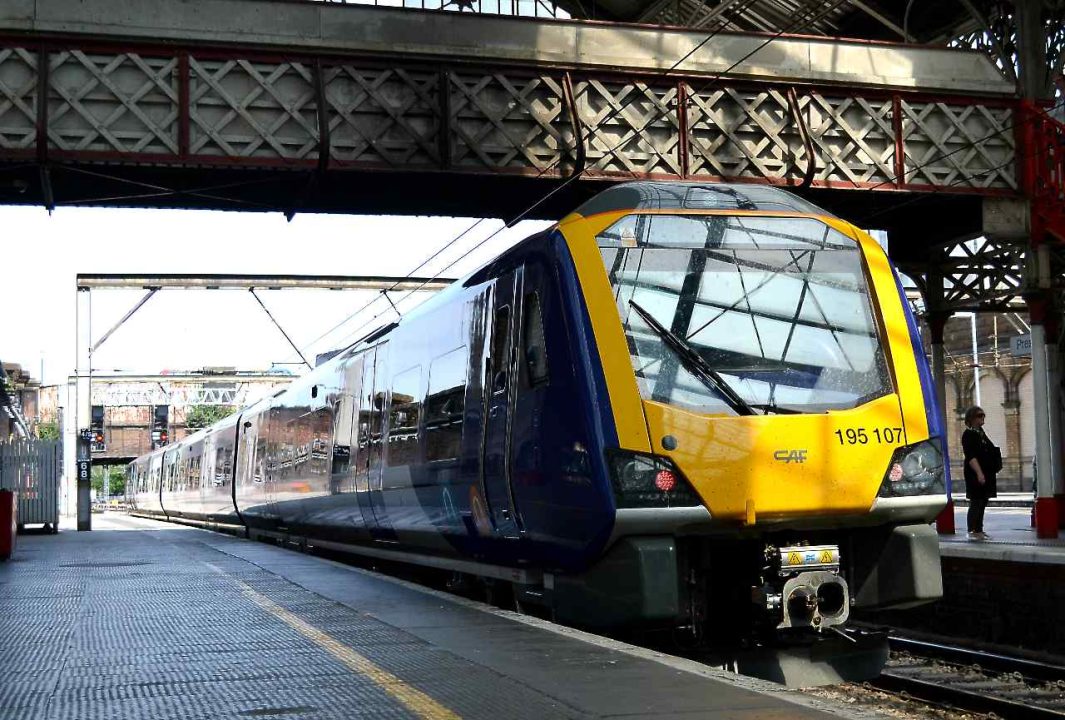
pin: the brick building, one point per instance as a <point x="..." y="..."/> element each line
<point x="132" y="414"/>
<point x="1005" y="394"/>
<point x="135" y="414"/>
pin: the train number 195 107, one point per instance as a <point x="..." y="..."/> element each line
<point x="861" y="436"/>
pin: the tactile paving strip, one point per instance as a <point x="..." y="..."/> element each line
<point x="111" y="625"/>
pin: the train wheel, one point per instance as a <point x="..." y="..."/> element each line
<point x="499" y="594"/>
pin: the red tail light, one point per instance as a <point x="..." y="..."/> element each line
<point x="665" y="480"/>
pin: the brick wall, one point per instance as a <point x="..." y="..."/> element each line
<point x="1015" y="605"/>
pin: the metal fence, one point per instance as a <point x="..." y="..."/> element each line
<point x="32" y="468"/>
<point x="1017" y="475"/>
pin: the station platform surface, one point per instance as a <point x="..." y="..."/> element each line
<point x="1012" y="538"/>
<point x="143" y="619"/>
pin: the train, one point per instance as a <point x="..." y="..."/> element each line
<point x="699" y="407"/>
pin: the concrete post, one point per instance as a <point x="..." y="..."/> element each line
<point x="1011" y="446"/>
<point x="83" y="407"/>
<point x="1054" y="415"/>
<point x="937" y="321"/>
<point x="1046" y="506"/>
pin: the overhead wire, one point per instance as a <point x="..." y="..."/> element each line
<point x="394" y="285"/>
<point x="808" y="16"/>
<point x="965" y="177"/>
<point x="550" y="166"/>
<point x="1032" y="152"/>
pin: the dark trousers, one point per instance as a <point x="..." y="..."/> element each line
<point x="975" y="518"/>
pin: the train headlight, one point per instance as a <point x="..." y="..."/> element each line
<point x="915" y="470"/>
<point x="642" y="481"/>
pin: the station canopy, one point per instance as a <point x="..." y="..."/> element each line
<point x="919" y="21"/>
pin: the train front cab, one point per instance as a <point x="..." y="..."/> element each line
<point x="779" y="455"/>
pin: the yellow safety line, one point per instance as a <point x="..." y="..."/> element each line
<point x="415" y="700"/>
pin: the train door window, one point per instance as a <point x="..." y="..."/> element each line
<point x="533" y="340"/>
<point x="341" y="455"/>
<point x="320" y="430"/>
<point x="221" y="457"/>
<point x="404" y="417"/>
<point x="500" y="348"/>
<point x="262" y="459"/>
<point x="207" y="464"/>
<point x="369" y="421"/>
<point x="444" y="405"/>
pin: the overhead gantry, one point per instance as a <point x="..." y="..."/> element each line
<point x="81" y="393"/>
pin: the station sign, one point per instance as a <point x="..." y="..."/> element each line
<point x="1021" y="346"/>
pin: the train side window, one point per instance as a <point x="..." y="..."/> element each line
<point x="321" y="432"/>
<point x="500" y="348"/>
<point x="533" y="340"/>
<point x="221" y="456"/>
<point x="403" y="418"/>
<point x="444" y="405"/>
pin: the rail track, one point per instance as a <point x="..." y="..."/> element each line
<point x="974" y="680"/>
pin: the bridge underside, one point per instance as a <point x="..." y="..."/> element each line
<point x="69" y="183"/>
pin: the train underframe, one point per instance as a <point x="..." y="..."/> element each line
<point x="778" y="601"/>
<point x="781" y="599"/>
<point x="757" y="587"/>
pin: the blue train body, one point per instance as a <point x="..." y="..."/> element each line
<point x="521" y="426"/>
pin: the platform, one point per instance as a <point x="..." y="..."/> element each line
<point x="1013" y="538"/>
<point x="1003" y="594"/>
<point x="140" y="619"/>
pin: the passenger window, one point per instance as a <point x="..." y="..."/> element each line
<point x="403" y="418"/>
<point x="500" y="348"/>
<point x="341" y="456"/>
<point x="533" y="339"/>
<point x="321" y="431"/>
<point x="221" y="456"/>
<point x="444" y="405"/>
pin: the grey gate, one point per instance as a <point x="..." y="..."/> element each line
<point x="31" y="468"/>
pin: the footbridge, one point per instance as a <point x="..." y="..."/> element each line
<point x="271" y="104"/>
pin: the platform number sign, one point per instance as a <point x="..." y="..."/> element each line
<point x="83" y="471"/>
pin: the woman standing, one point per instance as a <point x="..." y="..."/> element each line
<point x="982" y="461"/>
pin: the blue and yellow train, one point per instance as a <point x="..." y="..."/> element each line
<point x="696" y="406"/>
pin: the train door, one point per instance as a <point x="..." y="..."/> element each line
<point x="500" y="383"/>
<point x="346" y="428"/>
<point x="246" y="463"/>
<point x="373" y="417"/>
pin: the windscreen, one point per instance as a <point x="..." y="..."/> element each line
<point x="745" y="314"/>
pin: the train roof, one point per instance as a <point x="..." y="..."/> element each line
<point x="697" y="196"/>
<point x="637" y="195"/>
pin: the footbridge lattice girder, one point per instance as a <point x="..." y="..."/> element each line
<point x="318" y="88"/>
<point x="194" y="108"/>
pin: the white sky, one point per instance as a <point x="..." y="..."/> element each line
<point x="40" y="255"/>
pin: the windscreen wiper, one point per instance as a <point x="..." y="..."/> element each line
<point x="775" y="409"/>
<point x="695" y="363"/>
